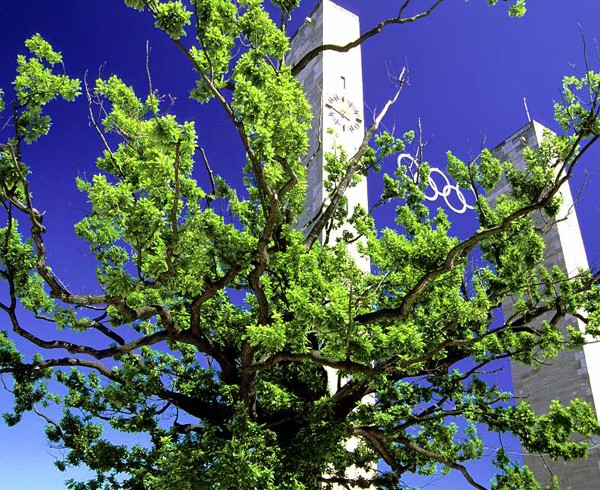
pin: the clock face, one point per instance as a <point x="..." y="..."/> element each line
<point x="343" y="113"/>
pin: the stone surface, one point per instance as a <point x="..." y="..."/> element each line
<point x="329" y="75"/>
<point x="574" y="373"/>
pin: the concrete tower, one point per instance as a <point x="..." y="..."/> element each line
<point x="333" y="84"/>
<point x="574" y="373"/>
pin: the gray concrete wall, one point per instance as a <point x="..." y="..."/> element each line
<point x="309" y="36"/>
<point x="569" y="375"/>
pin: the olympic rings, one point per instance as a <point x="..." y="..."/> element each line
<point x="445" y="191"/>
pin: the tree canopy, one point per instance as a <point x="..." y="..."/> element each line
<point x="216" y="317"/>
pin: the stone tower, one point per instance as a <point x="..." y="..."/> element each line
<point x="333" y="84"/>
<point x="574" y="373"/>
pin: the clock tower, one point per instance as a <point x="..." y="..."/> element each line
<point x="333" y="85"/>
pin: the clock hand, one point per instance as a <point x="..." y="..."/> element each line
<point x="339" y="112"/>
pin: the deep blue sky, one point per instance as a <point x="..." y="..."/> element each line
<point x="470" y="67"/>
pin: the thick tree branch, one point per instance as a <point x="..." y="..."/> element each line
<point x="211" y="289"/>
<point x="82" y="349"/>
<point x="440" y="459"/>
<point x="399" y="19"/>
<point x="63" y="362"/>
<point x="313" y="356"/>
<point x="100" y="327"/>
<point x="204" y="342"/>
<point x="375" y="439"/>
<point x="205" y="409"/>
<point x="458" y="252"/>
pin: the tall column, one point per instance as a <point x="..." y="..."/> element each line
<point x="333" y="84"/>
<point x="573" y="373"/>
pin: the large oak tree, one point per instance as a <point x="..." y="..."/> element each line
<point x="219" y="316"/>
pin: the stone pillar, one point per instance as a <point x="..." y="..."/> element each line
<point x="333" y="84"/>
<point x="573" y="373"/>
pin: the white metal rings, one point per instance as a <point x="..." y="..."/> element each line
<point x="444" y="189"/>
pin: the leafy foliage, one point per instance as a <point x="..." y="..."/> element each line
<point x="222" y="328"/>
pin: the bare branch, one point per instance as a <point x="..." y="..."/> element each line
<point x="64" y="362"/>
<point x="148" y="75"/>
<point x="336" y="198"/>
<point x="399" y="19"/>
<point x="48" y="420"/>
<point x="90" y="102"/>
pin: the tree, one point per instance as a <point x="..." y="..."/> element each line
<point x="230" y="392"/>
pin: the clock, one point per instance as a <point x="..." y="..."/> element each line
<point x="343" y="113"/>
